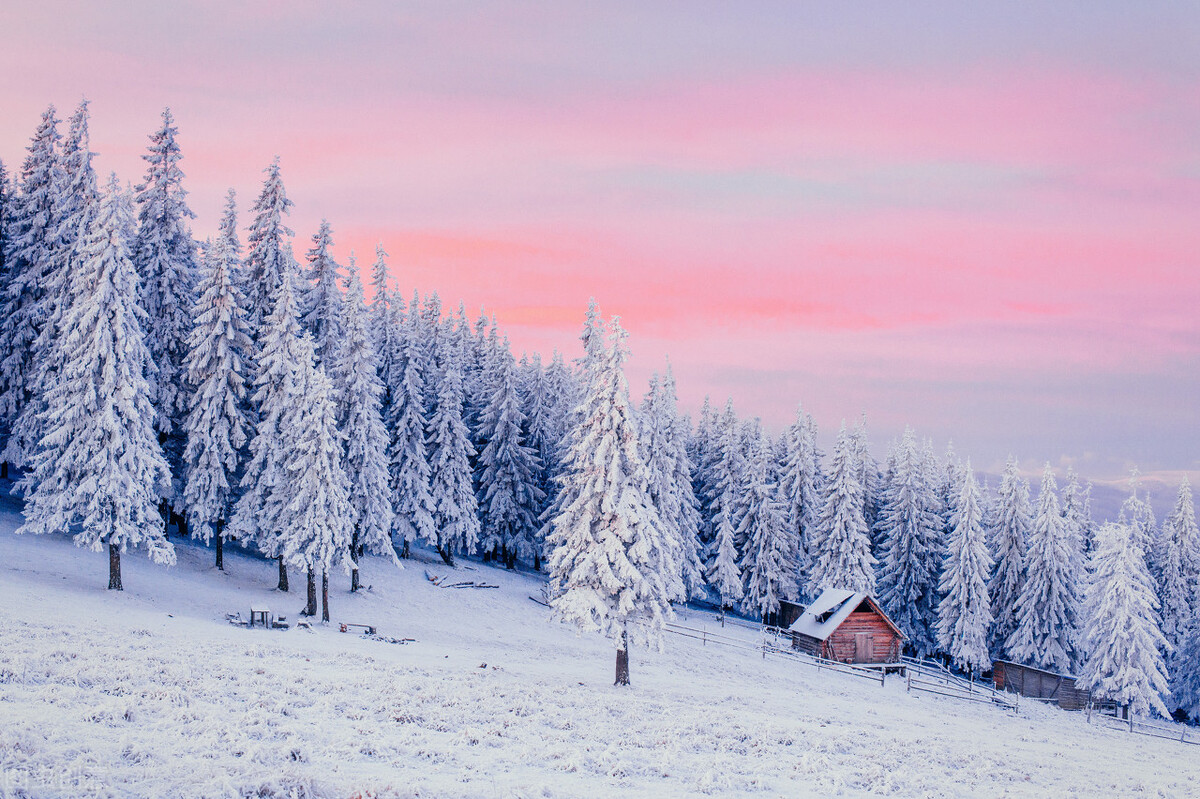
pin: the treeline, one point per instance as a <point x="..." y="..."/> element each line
<point x="148" y="380"/>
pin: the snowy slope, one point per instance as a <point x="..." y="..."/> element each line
<point x="151" y="693"/>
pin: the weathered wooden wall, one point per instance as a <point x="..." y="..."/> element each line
<point x="885" y="646"/>
<point x="1039" y="684"/>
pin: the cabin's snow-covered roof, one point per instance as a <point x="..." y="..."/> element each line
<point x="827" y="612"/>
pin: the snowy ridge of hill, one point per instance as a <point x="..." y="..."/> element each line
<point x="151" y="693"/>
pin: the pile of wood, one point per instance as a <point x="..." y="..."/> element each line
<point x="440" y="582"/>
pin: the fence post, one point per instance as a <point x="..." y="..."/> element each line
<point x="908" y="674"/>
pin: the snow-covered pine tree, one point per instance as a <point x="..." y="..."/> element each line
<point x="6" y="263"/>
<point x="228" y="229"/>
<point x="379" y="311"/>
<point x="215" y="371"/>
<point x="508" y="496"/>
<point x="408" y="455"/>
<point x="452" y="490"/>
<point x="768" y="562"/>
<point x="725" y="478"/>
<point x="1047" y="610"/>
<point x="431" y="342"/>
<point x="165" y="257"/>
<point x="75" y="199"/>
<point x="606" y="571"/>
<point x="1073" y="513"/>
<point x="312" y="501"/>
<point x="1178" y="569"/>
<point x="703" y="451"/>
<point x="1137" y="513"/>
<point x="359" y="392"/>
<point x="910" y="531"/>
<point x="269" y="258"/>
<point x="277" y="392"/>
<point x="1185" y="670"/>
<point x="840" y="549"/>
<point x="321" y="305"/>
<point x="798" y="486"/>
<point x="1124" y="664"/>
<point x="1008" y="541"/>
<point x="869" y="476"/>
<point x="540" y="434"/>
<point x="965" y="613"/>
<point x="664" y="449"/>
<point x="32" y="226"/>
<point x="99" y="465"/>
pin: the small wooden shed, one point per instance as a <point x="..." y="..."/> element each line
<point x="1039" y="684"/>
<point x="847" y="626"/>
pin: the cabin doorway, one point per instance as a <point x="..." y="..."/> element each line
<point x="862" y="648"/>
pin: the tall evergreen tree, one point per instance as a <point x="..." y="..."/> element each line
<point x="606" y="571"/>
<point x="269" y="258"/>
<point x="452" y="493"/>
<point x="910" y="554"/>
<point x="508" y="496"/>
<point x="1185" y="670"/>
<point x="32" y="229"/>
<point x="277" y="392"/>
<point x="216" y="426"/>
<point x="840" y="552"/>
<point x="768" y="562"/>
<point x="1179" y="568"/>
<point x="965" y="614"/>
<point x="379" y="311"/>
<point x="1047" y="612"/>
<point x="165" y="257"/>
<point x="312" y="501"/>
<point x="321" y="305"/>
<point x="799" y="487"/>
<point x="99" y="465"/>
<point x="1124" y="664"/>
<point x="359" y="393"/>
<point x="408" y="455"/>
<point x="1009" y="538"/>
<point x="724" y="485"/>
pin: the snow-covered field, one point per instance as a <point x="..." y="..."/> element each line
<point x="151" y="693"/>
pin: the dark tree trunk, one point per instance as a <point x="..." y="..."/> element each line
<point x="114" y="567"/>
<point x="283" y="583"/>
<point x="354" y="556"/>
<point x="311" y="608"/>
<point x="181" y="525"/>
<point x="221" y="545"/>
<point x="165" y="510"/>
<point x="447" y="555"/>
<point x="3" y="470"/>
<point x="623" y="661"/>
<point x="404" y="551"/>
<point x="510" y="560"/>
<point x="324" y="596"/>
<point x="537" y="561"/>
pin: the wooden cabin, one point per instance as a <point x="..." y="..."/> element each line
<point x="1039" y="684"/>
<point x="849" y="627"/>
<point x="786" y="615"/>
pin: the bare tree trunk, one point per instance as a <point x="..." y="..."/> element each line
<point x="404" y="551"/>
<point x="354" y="556"/>
<point x="311" y="608"/>
<point x="114" y="567"/>
<point x="165" y="511"/>
<point x="181" y="525"/>
<point x="3" y="470"/>
<point x="324" y="596"/>
<point x="221" y="545"/>
<point x="537" y="561"/>
<point x="283" y="583"/>
<point x="447" y="555"/>
<point x="623" y="661"/>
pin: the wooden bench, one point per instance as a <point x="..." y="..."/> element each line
<point x="261" y="616"/>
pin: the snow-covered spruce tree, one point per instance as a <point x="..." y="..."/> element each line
<point x="277" y="392"/>
<point x="508" y="495"/>
<point x="798" y="482"/>
<point x="539" y="434"/>
<point x="359" y="392"/>
<point x="269" y="258"/>
<point x="32" y="227"/>
<point x="379" y="313"/>
<point x="452" y="490"/>
<point x="725" y="476"/>
<point x="703" y="452"/>
<point x="1008" y="538"/>
<point x="6" y="263"/>
<point x="431" y="343"/>
<point x="228" y="229"/>
<point x="321" y="304"/>
<point x="1185" y="670"/>
<point x="99" y="465"/>
<point x="165" y="257"/>
<point x="216" y="426"/>
<point x="1137" y="513"/>
<point x="1047" y="609"/>
<point x="768" y="561"/>
<point x="965" y="613"/>
<point x="606" y="570"/>
<point x="1073" y="512"/>
<point x="664" y="449"/>
<point x="1124" y="663"/>
<point x="910" y="555"/>
<point x="75" y="199"/>
<point x="869" y="476"/>
<point x="408" y="455"/>
<point x="1179" y="548"/>
<point x="840" y="551"/>
<point x="312" y="501"/>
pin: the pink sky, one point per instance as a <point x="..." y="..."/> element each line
<point x="981" y="223"/>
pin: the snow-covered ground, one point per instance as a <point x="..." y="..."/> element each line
<point x="150" y="692"/>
